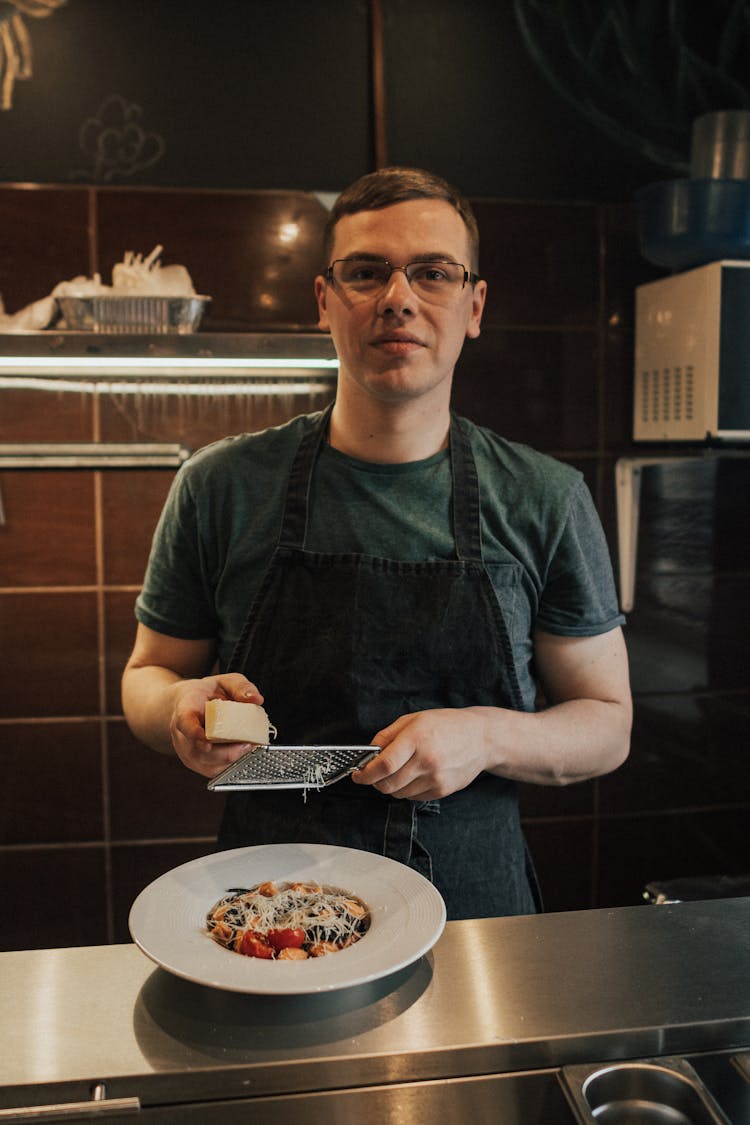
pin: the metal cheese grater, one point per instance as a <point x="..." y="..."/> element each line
<point x="293" y="767"/>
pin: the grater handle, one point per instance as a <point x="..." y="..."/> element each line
<point x="358" y="765"/>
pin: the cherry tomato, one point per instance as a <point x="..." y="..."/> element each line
<point x="286" y="939"/>
<point x="255" y="945"/>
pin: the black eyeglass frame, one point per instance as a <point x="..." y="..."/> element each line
<point x="473" y="278"/>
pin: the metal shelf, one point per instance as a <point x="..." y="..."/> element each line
<point x="92" y="455"/>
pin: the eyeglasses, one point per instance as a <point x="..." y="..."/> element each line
<point x="436" y="281"/>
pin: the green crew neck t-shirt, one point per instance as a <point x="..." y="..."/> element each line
<point x="542" y="541"/>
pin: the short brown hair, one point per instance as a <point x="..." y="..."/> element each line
<point x="397" y="185"/>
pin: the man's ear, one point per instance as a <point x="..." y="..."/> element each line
<point x="321" y="294"/>
<point x="478" y="296"/>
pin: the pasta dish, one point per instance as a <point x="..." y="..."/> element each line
<point x="287" y="921"/>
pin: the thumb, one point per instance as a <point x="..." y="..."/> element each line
<point x="235" y="686"/>
<point x="387" y="734"/>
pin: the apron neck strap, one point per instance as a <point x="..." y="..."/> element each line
<point x="465" y="481"/>
<point x="467" y="528"/>
<point x="294" y="524"/>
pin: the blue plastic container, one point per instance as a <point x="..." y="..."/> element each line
<point x="687" y="223"/>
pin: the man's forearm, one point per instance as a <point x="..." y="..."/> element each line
<point x="148" y="703"/>
<point x="568" y="742"/>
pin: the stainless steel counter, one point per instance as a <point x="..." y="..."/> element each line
<point x="494" y="997"/>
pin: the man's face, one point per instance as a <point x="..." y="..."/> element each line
<point x="396" y="345"/>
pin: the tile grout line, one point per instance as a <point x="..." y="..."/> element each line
<point x="93" y="231"/>
<point x="102" y="684"/>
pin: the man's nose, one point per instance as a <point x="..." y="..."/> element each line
<point x="397" y="296"/>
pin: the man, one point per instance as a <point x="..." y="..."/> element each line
<point x="386" y="572"/>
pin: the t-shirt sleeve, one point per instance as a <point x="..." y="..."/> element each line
<point x="579" y="598"/>
<point x="175" y="598"/>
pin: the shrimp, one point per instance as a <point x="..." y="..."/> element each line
<point x="321" y="948"/>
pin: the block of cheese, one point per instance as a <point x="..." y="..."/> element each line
<point x="228" y="721"/>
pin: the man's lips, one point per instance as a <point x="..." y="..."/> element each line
<point x="397" y="343"/>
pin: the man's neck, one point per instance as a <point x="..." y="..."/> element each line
<point x="388" y="433"/>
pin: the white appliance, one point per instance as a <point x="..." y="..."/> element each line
<point x="692" y="355"/>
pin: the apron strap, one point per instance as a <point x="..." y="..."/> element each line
<point x="294" y="524"/>
<point x="467" y="527"/>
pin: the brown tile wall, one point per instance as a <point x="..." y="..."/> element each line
<point x="89" y="817"/>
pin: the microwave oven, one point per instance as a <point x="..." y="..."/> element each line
<point x="692" y="356"/>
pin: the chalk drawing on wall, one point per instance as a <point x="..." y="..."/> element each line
<point x="641" y="72"/>
<point x="116" y="143"/>
<point x="15" y="41"/>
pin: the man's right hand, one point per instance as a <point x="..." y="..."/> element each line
<point x="164" y="695"/>
<point x="188" y="723"/>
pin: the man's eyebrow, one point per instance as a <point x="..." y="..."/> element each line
<point x="438" y="256"/>
<point x="429" y="256"/>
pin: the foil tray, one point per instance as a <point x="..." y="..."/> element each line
<point x="125" y="314"/>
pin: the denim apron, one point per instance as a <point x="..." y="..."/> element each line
<point x="342" y="645"/>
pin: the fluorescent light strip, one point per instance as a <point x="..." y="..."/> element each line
<point x="160" y="363"/>
<point x="149" y="387"/>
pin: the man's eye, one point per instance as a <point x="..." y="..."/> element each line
<point x="362" y="273"/>
<point x="433" y="274"/>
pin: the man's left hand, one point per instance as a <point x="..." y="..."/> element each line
<point x="427" y="755"/>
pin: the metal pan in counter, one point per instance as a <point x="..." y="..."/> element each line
<point x="663" y="1091"/>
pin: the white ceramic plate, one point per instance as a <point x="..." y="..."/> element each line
<point x="167" y="920"/>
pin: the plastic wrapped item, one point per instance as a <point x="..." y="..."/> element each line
<point x="145" y="297"/>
